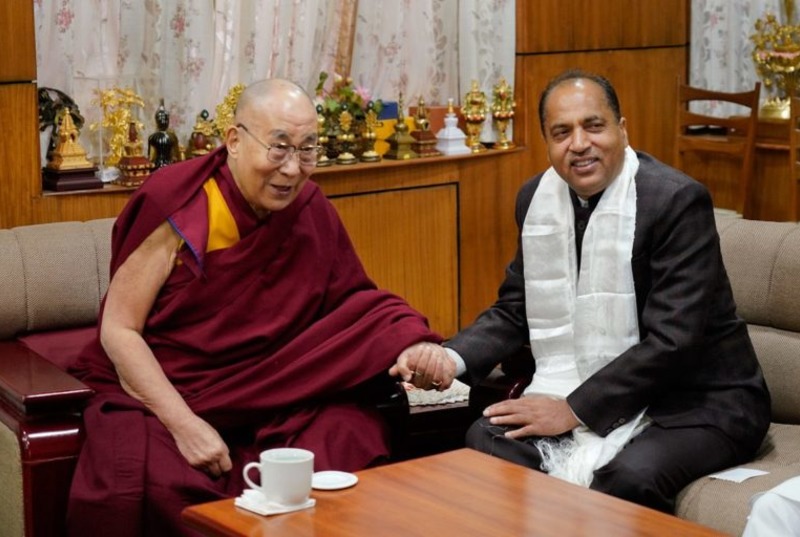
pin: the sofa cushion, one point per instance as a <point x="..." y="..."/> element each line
<point x="724" y="505"/>
<point x="53" y="275"/>
<point x="778" y="353"/>
<point x="763" y="263"/>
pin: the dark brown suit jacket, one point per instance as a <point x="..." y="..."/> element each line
<point x="694" y="365"/>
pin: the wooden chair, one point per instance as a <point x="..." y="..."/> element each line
<point x="794" y="152"/>
<point x="707" y="138"/>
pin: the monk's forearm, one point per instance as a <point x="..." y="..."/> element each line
<point x="142" y="377"/>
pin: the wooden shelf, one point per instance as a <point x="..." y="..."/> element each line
<point x="107" y="189"/>
<point x="384" y="164"/>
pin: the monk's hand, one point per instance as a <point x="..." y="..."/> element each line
<point x="425" y="365"/>
<point x="202" y="446"/>
<point x="535" y="415"/>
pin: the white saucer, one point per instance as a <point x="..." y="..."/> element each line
<point x="333" y="480"/>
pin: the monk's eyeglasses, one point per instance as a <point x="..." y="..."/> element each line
<point x="281" y="153"/>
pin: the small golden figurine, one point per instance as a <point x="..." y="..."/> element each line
<point x="345" y="138"/>
<point x="322" y="138"/>
<point x="134" y="167"/>
<point x="502" y="112"/>
<point x="202" y="139"/>
<point x="400" y="140"/>
<point x="67" y="167"/>
<point x="68" y="154"/>
<point x="371" y="123"/>
<point x="425" y="140"/>
<point x="474" y="112"/>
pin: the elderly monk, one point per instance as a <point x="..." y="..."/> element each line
<point x="238" y="318"/>
<point x="645" y="378"/>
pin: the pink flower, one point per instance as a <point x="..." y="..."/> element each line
<point x="178" y="22"/>
<point x="64" y="19"/>
<point x="364" y="93"/>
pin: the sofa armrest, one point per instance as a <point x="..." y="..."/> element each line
<point x="41" y="433"/>
<point x="31" y="385"/>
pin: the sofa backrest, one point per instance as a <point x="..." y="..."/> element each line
<point x="763" y="263"/>
<point x="53" y="275"/>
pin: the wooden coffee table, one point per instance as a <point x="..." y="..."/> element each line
<point x="462" y="492"/>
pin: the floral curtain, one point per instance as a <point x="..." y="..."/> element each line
<point x="721" y="50"/>
<point x="191" y="52"/>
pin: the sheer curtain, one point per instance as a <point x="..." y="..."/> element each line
<point x="720" y="49"/>
<point x="191" y="52"/>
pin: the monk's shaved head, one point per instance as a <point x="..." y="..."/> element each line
<point x="261" y="91"/>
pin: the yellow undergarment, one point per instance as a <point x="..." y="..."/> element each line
<point x="222" y="229"/>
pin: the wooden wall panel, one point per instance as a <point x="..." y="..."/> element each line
<point x="575" y="25"/>
<point x="487" y="188"/>
<point x="407" y="241"/>
<point x="645" y="83"/>
<point x="19" y="151"/>
<point x="17" y="41"/>
<point x="487" y="197"/>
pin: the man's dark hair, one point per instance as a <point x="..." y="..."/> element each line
<point x="574" y="74"/>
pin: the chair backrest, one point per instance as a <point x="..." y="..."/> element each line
<point x="707" y="138"/>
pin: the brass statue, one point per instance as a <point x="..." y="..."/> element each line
<point x="202" y="139"/>
<point x="424" y="140"/>
<point x="67" y="167"/>
<point x="345" y="138"/>
<point x="134" y="167"/>
<point x="371" y="123"/>
<point x="400" y="140"/>
<point x="322" y="138"/>
<point x="68" y="153"/>
<point x="474" y="112"/>
<point x="502" y="111"/>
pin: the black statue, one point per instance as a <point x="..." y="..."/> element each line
<point x="162" y="145"/>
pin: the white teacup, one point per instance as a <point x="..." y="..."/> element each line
<point x="285" y="475"/>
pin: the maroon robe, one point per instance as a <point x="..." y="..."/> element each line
<point x="269" y="341"/>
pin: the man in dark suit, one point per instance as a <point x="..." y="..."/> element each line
<point x="646" y="378"/>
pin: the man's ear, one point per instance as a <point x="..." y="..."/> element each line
<point x="232" y="140"/>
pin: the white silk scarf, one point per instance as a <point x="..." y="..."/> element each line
<point x="579" y="322"/>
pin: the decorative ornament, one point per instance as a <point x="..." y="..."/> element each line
<point x="474" y="112"/>
<point x="227" y="108"/>
<point x="451" y="139"/>
<point x="776" y="53"/>
<point x="502" y="111"/>
<point x="424" y="140"/>
<point x="116" y="104"/>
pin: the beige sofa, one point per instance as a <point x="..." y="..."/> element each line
<point x="53" y="276"/>
<point x="763" y="263"/>
<point x="52" y="279"/>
